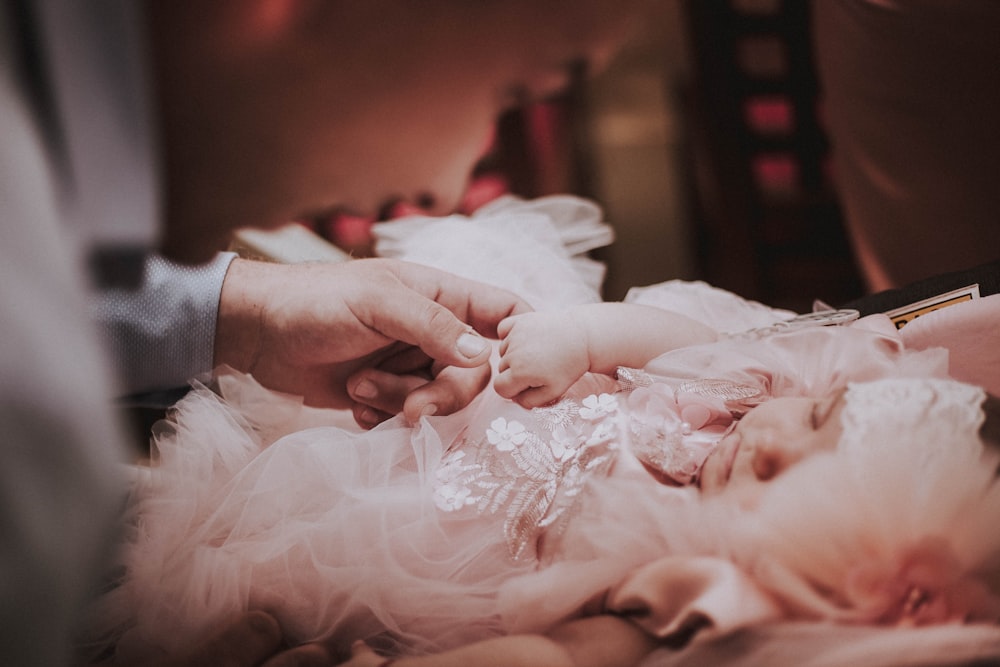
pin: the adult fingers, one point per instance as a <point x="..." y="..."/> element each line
<point x="379" y="395"/>
<point x="408" y="360"/>
<point x="402" y="315"/>
<point x="438" y="312"/>
<point x="368" y="417"/>
<point x="451" y="390"/>
<point x="483" y="306"/>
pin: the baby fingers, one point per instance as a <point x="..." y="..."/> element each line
<point x="529" y="392"/>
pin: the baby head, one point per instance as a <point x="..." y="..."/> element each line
<point x="877" y="504"/>
<point x="865" y="418"/>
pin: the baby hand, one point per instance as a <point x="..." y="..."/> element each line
<point x="541" y="356"/>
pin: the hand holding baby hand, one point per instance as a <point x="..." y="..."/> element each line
<point x="541" y="356"/>
<point x="378" y="336"/>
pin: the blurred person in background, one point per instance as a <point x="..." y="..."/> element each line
<point x="165" y="124"/>
<point x="911" y="95"/>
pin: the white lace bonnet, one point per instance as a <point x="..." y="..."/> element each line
<point x="928" y="417"/>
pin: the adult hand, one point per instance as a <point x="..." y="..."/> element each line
<point x="252" y="640"/>
<point x="378" y="336"/>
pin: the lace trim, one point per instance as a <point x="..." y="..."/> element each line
<point x="531" y="476"/>
<point x="819" y="318"/>
<point x="933" y="419"/>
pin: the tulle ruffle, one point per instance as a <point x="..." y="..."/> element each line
<point x="335" y="532"/>
<point x="535" y="248"/>
<point x="255" y="502"/>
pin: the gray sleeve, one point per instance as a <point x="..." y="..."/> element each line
<point x="163" y="333"/>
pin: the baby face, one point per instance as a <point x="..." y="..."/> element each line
<point x="771" y="438"/>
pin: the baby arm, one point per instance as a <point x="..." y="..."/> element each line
<point x="543" y="354"/>
<point x="595" y="641"/>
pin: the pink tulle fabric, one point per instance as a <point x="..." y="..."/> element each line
<point x="403" y="536"/>
<point x="537" y="248"/>
<point x="493" y="520"/>
<point x="335" y="532"/>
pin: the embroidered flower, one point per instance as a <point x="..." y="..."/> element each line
<point x="451" y="467"/>
<point x="452" y="497"/>
<point x="597" y="407"/>
<point x="530" y="471"/>
<point x="604" y="432"/>
<point x="674" y="432"/>
<point x="506" y="435"/>
<point x="565" y="441"/>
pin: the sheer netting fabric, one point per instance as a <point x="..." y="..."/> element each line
<point x="421" y="538"/>
<point x="499" y="519"/>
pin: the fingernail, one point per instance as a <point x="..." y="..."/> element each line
<point x="471" y="345"/>
<point x="428" y="410"/>
<point x="369" y="416"/>
<point x="365" y="389"/>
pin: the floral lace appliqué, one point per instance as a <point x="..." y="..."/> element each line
<point x="674" y="431"/>
<point x="531" y="473"/>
